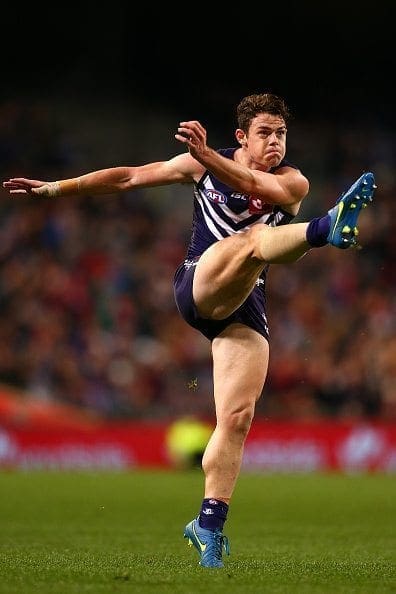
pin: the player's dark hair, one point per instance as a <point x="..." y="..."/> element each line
<point x="252" y="105"/>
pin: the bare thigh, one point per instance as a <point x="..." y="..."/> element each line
<point x="226" y="274"/>
<point x="227" y="271"/>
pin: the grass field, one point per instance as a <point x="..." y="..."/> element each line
<point x="122" y="532"/>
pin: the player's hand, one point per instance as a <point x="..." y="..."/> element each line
<point x="23" y="186"/>
<point x="193" y="134"/>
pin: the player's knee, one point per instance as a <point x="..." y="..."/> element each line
<point x="238" y="422"/>
<point x="256" y="234"/>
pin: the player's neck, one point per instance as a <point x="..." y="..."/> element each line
<point x="243" y="157"/>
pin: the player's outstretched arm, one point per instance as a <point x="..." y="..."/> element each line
<point x="104" y="181"/>
<point x="179" y="169"/>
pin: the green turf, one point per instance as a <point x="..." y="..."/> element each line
<point x="111" y="533"/>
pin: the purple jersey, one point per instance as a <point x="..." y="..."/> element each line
<point x="220" y="211"/>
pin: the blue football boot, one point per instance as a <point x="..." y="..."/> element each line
<point x="344" y="215"/>
<point x="209" y="544"/>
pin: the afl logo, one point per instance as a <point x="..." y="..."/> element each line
<point x="216" y="196"/>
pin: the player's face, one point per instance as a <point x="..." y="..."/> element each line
<point x="266" y="140"/>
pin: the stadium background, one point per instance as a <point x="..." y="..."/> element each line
<point x="88" y="318"/>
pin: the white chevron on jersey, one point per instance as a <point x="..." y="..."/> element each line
<point x="220" y="211"/>
<point x="207" y="182"/>
<point x="216" y="217"/>
<point x="208" y="221"/>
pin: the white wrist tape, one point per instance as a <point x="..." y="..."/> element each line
<point x="59" y="188"/>
<point x="50" y="190"/>
<point x="53" y="189"/>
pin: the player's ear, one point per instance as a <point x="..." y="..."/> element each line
<point x="241" y="137"/>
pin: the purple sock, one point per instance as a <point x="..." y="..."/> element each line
<point x="318" y="231"/>
<point x="213" y="514"/>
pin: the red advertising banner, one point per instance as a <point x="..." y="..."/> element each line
<point x="270" y="447"/>
<point x="103" y="447"/>
<point x="321" y="446"/>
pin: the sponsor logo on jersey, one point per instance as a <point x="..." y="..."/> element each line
<point x="216" y="196"/>
<point x="258" y="206"/>
<point x="239" y="196"/>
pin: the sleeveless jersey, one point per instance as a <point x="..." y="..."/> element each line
<point x="219" y="211"/>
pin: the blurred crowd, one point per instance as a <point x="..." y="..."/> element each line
<point x="86" y="298"/>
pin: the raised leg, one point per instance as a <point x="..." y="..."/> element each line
<point x="227" y="272"/>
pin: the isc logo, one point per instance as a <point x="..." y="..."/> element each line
<point x="216" y="196"/>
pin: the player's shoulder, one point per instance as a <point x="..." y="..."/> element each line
<point x="294" y="180"/>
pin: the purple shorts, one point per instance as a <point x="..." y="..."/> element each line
<point x="251" y="312"/>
